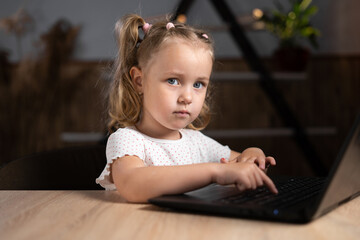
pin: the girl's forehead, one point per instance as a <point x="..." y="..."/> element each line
<point x="177" y="43"/>
<point x="180" y="58"/>
<point x="195" y="43"/>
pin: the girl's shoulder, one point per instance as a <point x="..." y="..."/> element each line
<point x="127" y="133"/>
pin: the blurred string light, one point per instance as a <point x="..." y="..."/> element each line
<point x="257" y="13"/>
<point x="181" y="18"/>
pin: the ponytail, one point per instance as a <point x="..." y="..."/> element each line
<point x="127" y="36"/>
<point x="124" y="101"/>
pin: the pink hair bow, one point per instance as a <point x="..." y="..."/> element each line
<point x="204" y="35"/>
<point x="169" y="25"/>
<point x="146" y="27"/>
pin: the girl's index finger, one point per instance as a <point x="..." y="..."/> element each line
<point x="269" y="183"/>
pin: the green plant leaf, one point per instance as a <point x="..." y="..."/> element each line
<point x="304" y="4"/>
<point x="293" y="24"/>
<point x="310" y="11"/>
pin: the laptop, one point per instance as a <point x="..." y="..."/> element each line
<point x="300" y="199"/>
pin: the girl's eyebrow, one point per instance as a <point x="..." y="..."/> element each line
<point x="176" y="73"/>
<point x="181" y="74"/>
<point x="204" y="79"/>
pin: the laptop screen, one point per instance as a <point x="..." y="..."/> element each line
<point x="344" y="178"/>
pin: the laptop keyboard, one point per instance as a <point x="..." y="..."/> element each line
<point x="291" y="192"/>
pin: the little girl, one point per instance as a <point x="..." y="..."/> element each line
<point x="157" y="105"/>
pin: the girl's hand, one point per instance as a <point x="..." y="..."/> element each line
<point x="245" y="175"/>
<point x="253" y="155"/>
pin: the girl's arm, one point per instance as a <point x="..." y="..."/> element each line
<point x="137" y="182"/>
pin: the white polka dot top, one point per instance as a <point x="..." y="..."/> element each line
<point x="193" y="147"/>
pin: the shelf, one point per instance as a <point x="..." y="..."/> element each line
<point x="268" y="132"/>
<point x="76" y="137"/>
<point x="253" y="76"/>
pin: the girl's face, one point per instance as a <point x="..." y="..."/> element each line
<point x="174" y="84"/>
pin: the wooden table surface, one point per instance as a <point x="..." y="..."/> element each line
<point x="105" y="215"/>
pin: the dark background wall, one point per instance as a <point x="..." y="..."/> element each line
<point x="52" y="93"/>
<point x="336" y="20"/>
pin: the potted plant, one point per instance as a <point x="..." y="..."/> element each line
<point x="291" y="27"/>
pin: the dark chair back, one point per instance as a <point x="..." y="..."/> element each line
<point x="72" y="168"/>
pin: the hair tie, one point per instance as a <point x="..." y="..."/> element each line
<point x="169" y="25"/>
<point x="204" y="35"/>
<point x="146" y="27"/>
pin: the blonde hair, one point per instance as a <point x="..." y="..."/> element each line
<point x="125" y="103"/>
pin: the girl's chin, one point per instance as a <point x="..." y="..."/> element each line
<point x="177" y="127"/>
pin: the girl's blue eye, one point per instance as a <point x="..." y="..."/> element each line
<point x="173" y="81"/>
<point x="198" y="85"/>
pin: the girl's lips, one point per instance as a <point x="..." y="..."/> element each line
<point x="182" y="113"/>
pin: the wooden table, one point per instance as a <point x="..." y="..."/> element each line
<point x="105" y="215"/>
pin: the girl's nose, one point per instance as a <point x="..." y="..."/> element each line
<point x="185" y="96"/>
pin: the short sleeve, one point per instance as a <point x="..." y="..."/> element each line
<point x="124" y="142"/>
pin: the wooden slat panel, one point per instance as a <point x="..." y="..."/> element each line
<point x="328" y="96"/>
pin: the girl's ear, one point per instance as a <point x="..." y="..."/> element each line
<point x="136" y="78"/>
